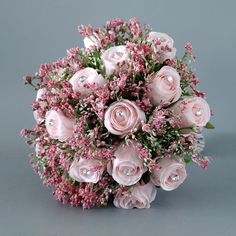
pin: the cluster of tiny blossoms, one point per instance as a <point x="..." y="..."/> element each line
<point x="118" y="118"/>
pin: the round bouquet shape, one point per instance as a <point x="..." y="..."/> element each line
<point x="117" y="119"/>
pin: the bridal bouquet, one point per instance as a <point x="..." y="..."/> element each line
<point x="117" y="119"/>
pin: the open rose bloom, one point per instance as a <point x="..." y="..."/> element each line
<point x="123" y="117"/>
<point x="117" y="119"/>
<point x="165" y="86"/>
<point x="127" y="167"/>
<point x="170" y="174"/>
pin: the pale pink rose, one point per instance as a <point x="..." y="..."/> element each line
<point x="123" y="200"/>
<point x="40" y="94"/>
<point x="127" y="167"/>
<point x="38" y="118"/>
<point x="92" y="41"/>
<point x="86" y="170"/>
<point x="164" y="41"/>
<point x="140" y="196"/>
<point x="191" y="111"/>
<point x="170" y="174"/>
<point x="86" y="76"/>
<point x="112" y="56"/>
<point x="58" y="125"/>
<point x="165" y="86"/>
<point x="123" y="117"/>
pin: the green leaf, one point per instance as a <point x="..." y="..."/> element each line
<point x="187" y="158"/>
<point x="209" y="126"/>
<point x="104" y="203"/>
<point x="59" y="170"/>
<point x="110" y="77"/>
<point x="99" y="192"/>
<point x="139" y="41"/>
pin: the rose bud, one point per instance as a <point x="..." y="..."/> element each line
<point x="140" y="196"/>
<point x="170" y="174"/>
<point x="92" y="41"/>
<point x="127" y="167"/>
<point x="86" y="76"/>
<point x="38" y="118"/>
<point x="123" y="117"/>
<point x="165" y="86"/>
<point x="86" y="170"/>
<point x="190" y="112"/>
<point x="164" y="40"/>
<point x="58" y="125"/>
<point x="112" y="56"/>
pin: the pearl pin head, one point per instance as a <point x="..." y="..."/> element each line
<point x="51" y="122"/>
<point x="127" y="171"/>
<point x="170" y="79"/>
<point x="175" y="178"/>
<point x="198" y="112"/>
<point x="119" y="113"/>
<point x="85" y="172"/>
<point x="82" y="79"/>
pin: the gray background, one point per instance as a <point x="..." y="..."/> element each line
<point x="35" y="32"/>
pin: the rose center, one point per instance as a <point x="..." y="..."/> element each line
<point x="162" y="40"/>
<point x="127" y="171"/>
<point x="118" y="55"/>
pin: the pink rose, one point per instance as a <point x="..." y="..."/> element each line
<point x="58" y="125"/>
<point x="164" y="41"/>
<point x="191" y="111"/>
<point x="123" y="117"/>
<point x="140" y="196"/>
<point x="38" y="118"/>
<point x="40" y="94"/>
<point x="92" y="41"/>
<point x="86" y="76"/>
<point x="112" y="56"/>
<point x="86" y="170"/>
<point x="170" y="174"/>
<point x="127" y="167"/>
<point x="165" y="86"/>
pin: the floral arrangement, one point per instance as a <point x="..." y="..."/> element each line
<point x="117" y="119"/>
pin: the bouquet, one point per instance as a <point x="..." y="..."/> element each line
<point x="117" y="119"/>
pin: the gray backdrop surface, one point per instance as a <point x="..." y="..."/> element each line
<point x="35" y="32"/>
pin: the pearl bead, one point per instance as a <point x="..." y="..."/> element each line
<point x="51" y="122"/>
<point x="82" y="79"/>
<point x="85" y="172"/>
<point x="198" y="112"/>
<point x="119" y="113"/>
<point x="127" y="171"/>
<point x="175" y="178"/>
<point x="170" y="79"/>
